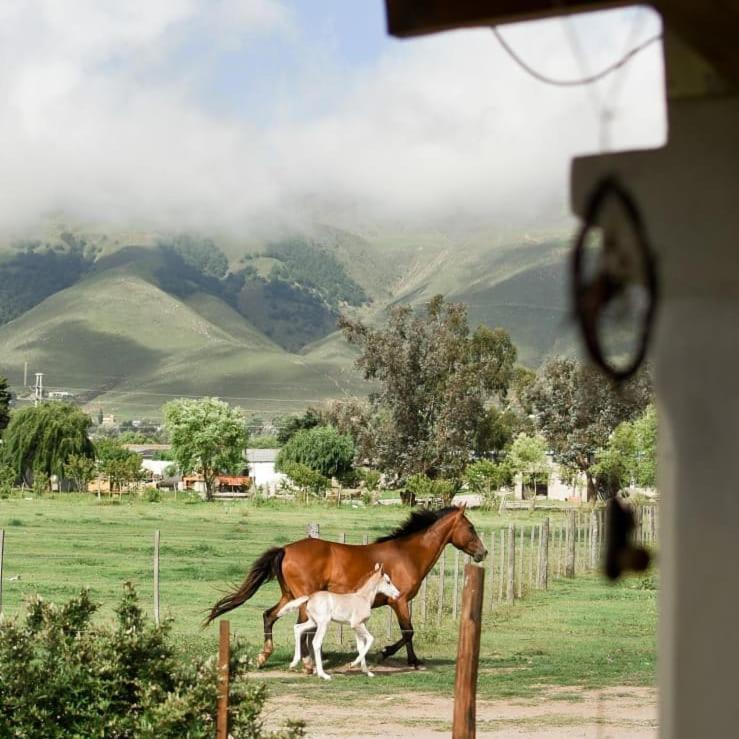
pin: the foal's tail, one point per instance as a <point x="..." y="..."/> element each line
<point x="266" y="568"/>
<point x="292" y="605"/>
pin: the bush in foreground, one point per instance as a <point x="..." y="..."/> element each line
<point x="63" y="676"/>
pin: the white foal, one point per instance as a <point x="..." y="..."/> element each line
<point x="344" y="608"/>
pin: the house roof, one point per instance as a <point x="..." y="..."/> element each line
<point x="262" y="455"/>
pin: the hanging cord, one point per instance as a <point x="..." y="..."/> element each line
<point x="575" y="82"/>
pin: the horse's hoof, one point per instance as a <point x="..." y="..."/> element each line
<point x="325" y="677"/>
<point x="370" y="674"/>
<point x="384" y="654"/>
<point x="416" y="664"/>
<point x="261" y="659"/>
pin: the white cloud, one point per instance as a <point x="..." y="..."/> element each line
<point x="100" y="117"/>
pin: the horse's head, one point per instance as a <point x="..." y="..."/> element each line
<point x="465" y="537"/>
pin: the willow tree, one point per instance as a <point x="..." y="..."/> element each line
<point x="42" y="439"/>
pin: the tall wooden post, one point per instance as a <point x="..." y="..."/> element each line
<point x="468" y="654"/>
<point x="510" y="592"/>
<point x="519" y="589"/>
<point x="156" y="577"/>
<point x="2" y="557"/>
<point x="223" y="659"/>
<point x="442" y="572"/>
<point x="594" y="540"/>
<point x="492" y="570"/>
<point x="456" y="584"/>
<point x="313" y="530"/>
<point x="342" y="539"/>
<point x="571" y="541"/>
<point x="501" y="582"/>
<point x="544" y="570"/>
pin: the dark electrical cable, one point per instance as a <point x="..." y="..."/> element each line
<point x="578" y="82"/>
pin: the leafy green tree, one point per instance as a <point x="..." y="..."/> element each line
<point x="528" y="457"/>
<point x="576" y="408"/>
<point x="41" y="439"/>
<point x="486" y="477"/>
<point x="80" y="470"/>
<point x="307" y="480"/>
<point x="290" y="426"/>
<point x="7" y="480"/>
<point x="321" y="448"/>
<point x="207" y="436"/>
<point x="64" y="676"/>
<point x="264" y="441"/>
<point x="4" y="404"/>
<point x="121" y="466"/>
<point x="630" y="455"/>
<point x="435" y="379"/>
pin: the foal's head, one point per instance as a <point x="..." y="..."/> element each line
<point x="465" y="537"/>
<point x="384" y="583"/>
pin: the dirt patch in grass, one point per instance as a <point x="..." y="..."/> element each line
<point x="623" y="712"/>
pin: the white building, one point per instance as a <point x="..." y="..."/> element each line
<point x="262" y="468"/>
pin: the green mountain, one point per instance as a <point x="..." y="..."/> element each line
<point x="128" y="327"/>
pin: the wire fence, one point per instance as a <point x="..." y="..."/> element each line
<point x="522" y="558"/>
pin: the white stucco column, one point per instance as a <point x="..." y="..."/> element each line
<point x="688" y="193"/>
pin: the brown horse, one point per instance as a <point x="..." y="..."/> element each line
<point x="309" y="565"/>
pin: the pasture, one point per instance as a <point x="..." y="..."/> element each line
<point x="580" y="635"/>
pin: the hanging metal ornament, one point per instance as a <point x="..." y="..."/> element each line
<point x="614" y="281"/>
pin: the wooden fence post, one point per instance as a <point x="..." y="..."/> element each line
<point x="468" y="654"/>
<point x="156" y="577"/>
<point x="342" y="540"/>
<point x="313" y="530"/>
<point x="538" y="557"/>
<point x="492" y="571"/>
<point x="502" y="566"/>
<point x="531" y="559"/>
<point x="510" y="592"/>
<point x="223" y="659"/>
<point x="571" y="542"/>
<point x="544" y="581"/>
<point x="442" y="572"/>
<point x="561" y="563"/>
<point x="2" y="557"/>
<point x="456" y="583"/>
<point x="519" y="591"/>
<point x="593" y="540"/>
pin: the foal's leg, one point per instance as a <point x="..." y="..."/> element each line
<point x="269" y="617"/>
<point x="317" y="642"/>
<point x="402" y="611"/>
<point x="299" y="629"/>
<point x="306" y="641"/>
<point x="367" y="640"/>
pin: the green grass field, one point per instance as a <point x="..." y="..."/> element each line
<point x="581" y="633"/>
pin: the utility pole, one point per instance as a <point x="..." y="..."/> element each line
<point x="38" y="390"/>
<point x="25" y="375"/>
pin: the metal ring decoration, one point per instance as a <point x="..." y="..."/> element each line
<point x="590" y="298"/>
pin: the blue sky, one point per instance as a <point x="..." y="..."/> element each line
<point x="228" y="113"/>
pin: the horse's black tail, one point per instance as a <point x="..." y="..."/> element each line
<point x="267" y="567"/>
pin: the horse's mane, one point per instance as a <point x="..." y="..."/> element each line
<point x="419" y="520"/>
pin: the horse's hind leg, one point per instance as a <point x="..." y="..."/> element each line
<point x="269" y="617"/>
<point x="306" y="643"/>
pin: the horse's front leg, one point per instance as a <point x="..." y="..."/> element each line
<point x="402" y="611"/>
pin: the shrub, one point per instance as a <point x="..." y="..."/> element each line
<point x="308" y="481"/>
<point x="153" y="495"/>
<point x="64" y="677"/>
<point x="420" y="486"/>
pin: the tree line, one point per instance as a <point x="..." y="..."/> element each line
<point x="448" y="407"/>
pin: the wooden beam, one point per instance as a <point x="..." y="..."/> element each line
<point x="416" y="17"/>
<point x="711" y="27"/>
